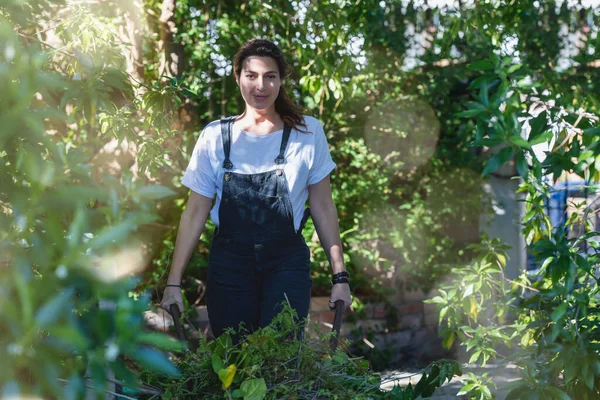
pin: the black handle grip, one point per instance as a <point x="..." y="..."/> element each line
<point x="176" y="314"/>
<point x="337" y="323"/>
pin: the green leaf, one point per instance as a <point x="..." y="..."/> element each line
<point x="474" y="357"/>
<point x="522" y="391"/>
<point x="477" y="82"/>
<point x="25" y="295"/>
<point x="436" y="300"/>
<point x="154" y="192"/>
<point x="489" y="142"/>
<point x="585" y="155"/>
<point x="254" y="389"/>
<point x="217" y="363"/>
<point x="77" y="227"/>
<point x="160" y="340"/>
<point x="50" y="312"/>
<point x="124" y="373"/>
<point x="522" y="166"/>
<point x="596" y="367"/>
<point x="587" y="374"/>
<point x="448" y="340"/>
<point x="468" y="290"/>
<point x="571" y="368"/>
<point x="470" y="113"/>
<point x="547" y="262"/>
<point x="481" y="65"/>
<point x="501" y="259"/>
<point x="340" y="359"/>
<point x="559" y="312"/>
<point x="421" y="385"/>
<point x="505" y="154"/>
<point x="80" y="194"/>
<point x="473" y="105"/>
<point x="486" y="392"/>
<point x="466" y="389"/>
<point x="483" y="94"/>
<point x="543" y="138"/>
<point x="513" y="68"/>
<point x="154" y="360"/>
<point x="116" y="233"/>
<point x="593" y="132"/>
<point x="497" y="160"/>
<point x="492" y="165"/>
<point x="443" y="312"/>
<point x="556" y="393"/>
<point x="537" y="125"/>
<point x="70" y="335"/>
<point x="519" y="141"/>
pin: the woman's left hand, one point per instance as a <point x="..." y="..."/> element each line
<point x="340" y="291"/>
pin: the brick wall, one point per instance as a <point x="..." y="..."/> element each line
<point x="409" y="328"/>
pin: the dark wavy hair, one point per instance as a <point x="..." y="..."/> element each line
<point x="289" y="112"/>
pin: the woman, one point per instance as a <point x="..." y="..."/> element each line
<point x="261" y="166"/>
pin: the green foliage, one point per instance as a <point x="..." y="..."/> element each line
<point x="91" y="121"/>
<point x="271" y="363"/>
<point x="435" y="375"/>
<point x="553" y="309"/>
<point x="474" y="306"/>
<point x="477" y="388"/>
<point x="71" y="233"/>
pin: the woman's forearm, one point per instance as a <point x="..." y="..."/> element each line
<point x="191" y="225"/>
<point x="325" y="218"/>
<point x="326" y="223"/>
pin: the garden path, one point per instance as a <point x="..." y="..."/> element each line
<point x="502" y="376"/>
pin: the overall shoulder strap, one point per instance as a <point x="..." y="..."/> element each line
<point x="284" y="141"/>
<point x="226" y="124"/>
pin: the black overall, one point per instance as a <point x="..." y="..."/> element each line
<point x="257" y="258"/>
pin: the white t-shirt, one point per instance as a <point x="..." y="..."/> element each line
<point x="307" y="157"/>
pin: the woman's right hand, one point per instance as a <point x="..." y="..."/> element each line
<point x="172" y="295"/>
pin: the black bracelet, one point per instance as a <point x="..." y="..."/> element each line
<point x="174" y="286"/>
<point x="343" y="274"/>
<point x="339" y="280"/>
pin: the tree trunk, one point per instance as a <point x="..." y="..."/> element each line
<point x="130" y="32"/>
<point x="171" y="65"/>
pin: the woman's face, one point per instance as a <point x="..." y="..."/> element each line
<point x="259" y="82"/>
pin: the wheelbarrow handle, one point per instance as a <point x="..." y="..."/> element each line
<point x="337" y="324"/>
<point x="176" y="314"/>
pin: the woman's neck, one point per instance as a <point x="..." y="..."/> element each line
<point x="260" y="121"/>
<point x="259" y="117"/>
